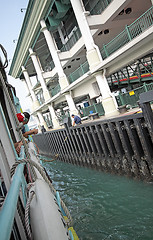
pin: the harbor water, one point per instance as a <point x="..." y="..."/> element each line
<point x="104" y="206"/>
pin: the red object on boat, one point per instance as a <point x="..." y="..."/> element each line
<point x="20" y="117"/>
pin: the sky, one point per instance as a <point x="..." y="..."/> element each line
<point x="11" y="19"/>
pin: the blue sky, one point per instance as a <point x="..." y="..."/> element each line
<point x="11" y="19"/>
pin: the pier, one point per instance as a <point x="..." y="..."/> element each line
<point x="120" y="145"/>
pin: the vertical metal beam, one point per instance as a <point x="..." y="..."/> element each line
<point x="145" y="144"/>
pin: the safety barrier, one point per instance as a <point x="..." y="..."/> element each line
<point x="72" y="40"/>
<point x="55" y="90"/>
<point x="97" y="7"/>
<point x="8" y="211"/>
<point x="130" y="32"/>
<point x="95" y="108"/>
<point x="122" y="145"/>
<point x="131" y="98"/>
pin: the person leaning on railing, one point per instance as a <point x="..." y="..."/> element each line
<point x="24" y="118"/>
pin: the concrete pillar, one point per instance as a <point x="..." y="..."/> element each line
<point x="71" y="104"/>
<point x="93" y="53"/>
<point x="41" y="120"/>
<point x="54" y="117"/>
<point x="107" y="99"/>
<point x="63" y="81"/>
<point x="29" y="86"/>
<point x="37" y="66"/>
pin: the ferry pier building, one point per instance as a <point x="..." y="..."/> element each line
<point x="78" y="54"/>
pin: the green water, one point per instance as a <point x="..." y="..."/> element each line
<point x="104" y="206"/>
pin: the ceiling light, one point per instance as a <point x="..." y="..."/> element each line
<point x="128" y="10"/>
<point x="106" y="31"/>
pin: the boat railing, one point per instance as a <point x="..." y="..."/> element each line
<point x="7" y="214"/>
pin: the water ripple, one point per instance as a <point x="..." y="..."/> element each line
<point x="104" y="206"/>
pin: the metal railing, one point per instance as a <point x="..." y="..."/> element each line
<point x="50" y="66"/>
<point x="40" y="97"/>
<point x="47" y="118"/>
<point x="55" y="90"/>
<point x="95" y="108"/>
<point x="7" y="214"/>
<point x="79" y="72"/>
<point x="143" y="22"/>
<point x="72" y="40"/>
<point x="131" y="98"/>
<point x="130" y="32"/>
<point x="97" y="7"/>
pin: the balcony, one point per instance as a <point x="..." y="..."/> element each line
<point x="40" y="97"/>
<point x="49" y="67"/>
<point x="55" y="90"/>
<point x="72" y="40"/>
<point x="96" y="7"/>
<point x="78" y="72"/>
<point x="130" y="32"/>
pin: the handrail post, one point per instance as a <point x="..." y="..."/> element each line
<point x="121" y="98"/>
<point x="145" y="87"/>
<point x="105" y="50"/>
<point x="128" y="32"/>
<point x="8" y="211"/>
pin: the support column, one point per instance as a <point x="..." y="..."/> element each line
<point x="71" y="104"/>
<point x="53" y="115"/>
<point x="63" y="81"/>
<point x="41" y="120"/>
<point x="29" y="85"/>
<point x="93" y="53"/>
<point x="107" y="99"/>
<point x="39" y="73"/>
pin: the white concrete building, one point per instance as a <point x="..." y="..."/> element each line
<point x="74" y="46"/>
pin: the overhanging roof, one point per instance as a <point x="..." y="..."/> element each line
<point x="36" y="10"/>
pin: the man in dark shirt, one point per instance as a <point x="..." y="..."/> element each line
<point x="77" y="119"/>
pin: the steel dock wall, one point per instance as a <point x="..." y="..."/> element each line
<point x="122" y="145"/>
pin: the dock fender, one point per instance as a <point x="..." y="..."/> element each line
<point x="45" y="217"/>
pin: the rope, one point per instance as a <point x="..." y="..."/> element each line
<point x="28" y="158"/>
<point x="27" y="225"/>
<point x="46" y="180"/>
<point x="52" y="160"/>
<point x="13" y="111"/>
<point x="5" y="65"/>
<point x="2" y="199"/>
<point x="19" y="207"/>
<point x="56" y="155"/>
